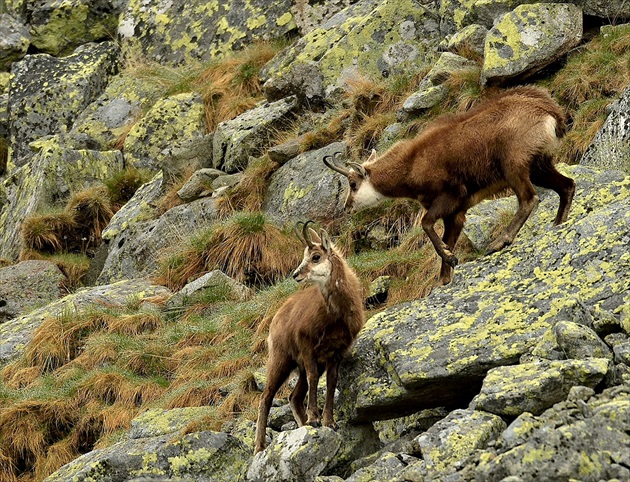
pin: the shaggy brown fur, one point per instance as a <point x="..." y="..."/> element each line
<point x="461" y="159"/>
<point x="311" y="332"/>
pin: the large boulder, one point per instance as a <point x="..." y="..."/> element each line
<point x="170" y="122"/>
<point x="58" y="27"/>
<point x="52" y="175"/>
<point x="182" y="30"/>
<point x="436" y="351"/>
<point x="14" y="41"/>
<point x="577" y="439"/>
<point x="248" y="134"/>
<point x="304" y="188"/>
<point x="134" y="252"/>
<point x="16" y="333"/>
<point x="201" y="456"/>
<point x="48" y="93"/>
<point x="108" y="118"/>
<point x="611" y="147"/>
<point x="371" y="37"/>
<point x="529" y="38"/>
<point x="28" y="285"/>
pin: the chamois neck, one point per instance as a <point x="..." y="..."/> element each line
<point x="339" y="291"/>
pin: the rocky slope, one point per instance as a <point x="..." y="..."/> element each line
<point x="517" y="370"/>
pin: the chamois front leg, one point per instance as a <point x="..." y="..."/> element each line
<point x="332" y="374"/>
<point x="453" y="226"/>
<point x="296" y="399"/>
<point x="444" y="251"/>
<point x="312" y="375"/>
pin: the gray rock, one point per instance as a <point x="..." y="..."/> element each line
<point x="385" y="468"/>
<point x="567" y="339"/>
<point x="304" y="188"/>
<point x="48" y="93"/>
<point x="199" y="185"/>
<point x="179" y="30"/>
<point x="357" y="441"/>
<point x="202" y="457"/>
<point x="156" y="421"/>
<point x="248" y="134"/>
<point x="566" y="442"/>
<point x="52" y="175"/>
<point x="134" y="251"/>
<point x="171" y="124"/>
<point x="226" y="181"/>
<point x="622" y="353"/>
<point x="394" y="429"/>
<point x="379" y="289"/>
<point x="449" y="443"/>
<point x="215" y="282"/>
<point x="286" y="151"/>
<point x="14" y="41"/>
<point x="534" y="387"/>
<point x="418" y="354"/>
<point x="471" y="38"/>
<point x="28" y="285"/>
<point x="529" y="38"/>
<point x="431" y="90"/>
<point x="295" y="456"/>
<point x="611" y="147"/>
<point x="16" y="333"/>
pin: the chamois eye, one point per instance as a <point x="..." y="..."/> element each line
<point x="316" y="258"/>
<point x="353" y="186"/>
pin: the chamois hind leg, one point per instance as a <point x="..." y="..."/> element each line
<point x="453" y="226"/>
<point x="442" y="207"/>
<point x="296" y="399"/>
<point x="518" y="179"/>
<point x="277" y="372"/>
<point x="332" y="374"/>
<point x="545" y="174"/>
<point x="312" y="375"/>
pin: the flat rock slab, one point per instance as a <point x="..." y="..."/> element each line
<point x="16" y="333"/>
<point x="436" y="351"/>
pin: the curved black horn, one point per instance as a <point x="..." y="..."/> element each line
<point x="359" y="168"/>
<point x="298" y="233"/>
<point x="332" y="164"/>
<point x="306" y="235"/>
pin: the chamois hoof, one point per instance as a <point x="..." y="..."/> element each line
<point x="452" y="260"/>
<point x="332" y="425"/>
<point x="314" y="423"/>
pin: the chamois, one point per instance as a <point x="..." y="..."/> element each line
<point x="312" y="331"/>
<point x="461" y="159"/>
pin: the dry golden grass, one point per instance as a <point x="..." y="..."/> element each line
<point x="169" y="198"/>
<point x="249" y="194"/>
<point x="123" y="185"/>
<point x="48" y="233"/>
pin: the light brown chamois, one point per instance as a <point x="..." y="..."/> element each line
<point x="461" y="159"/>
<point x="311" y="332"/>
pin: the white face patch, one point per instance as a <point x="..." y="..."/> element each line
<point x="320" y="273"/>
<point x="366" y="196"/>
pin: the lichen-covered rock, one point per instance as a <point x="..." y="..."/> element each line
<point x="14" y="41"/>
<point x="529" y="38"/>
<point x="431" y="90"/>
<point x="310" y="15"/>
<point x="48" y="93"/>
<point x="611" y="147"/>
<point x="106" y="119"/>
<point x="53" y="174"/>
<point x="296" y="456"/>
<point x="249" y="133"/>
<point x="201" y="456"/>
<point x="215" y="282"/>
<point x="396" y="428"/>
<point x="60" y="26"/>
<point x="472" y="38"/>
<point x="170" y="122"/>
<point x="450" y="443"/>
<point x="384" y="469"/>
<point x="371" y="37"/>
<point x="534" y="387"/>
<point x="379" y="289"/>
<point x="28" y="285"/>
<point x="357" y="441"/>
<point x="184" y="30"/>
<point x="156" y="422"/>
<point x="134" y="251"/>
<point x="199" y="185"/>
<point x="304" y="188"/>
<point x="581" y="440"/>
<point x="16" y="333"/>
<point x="435" y="351"/>
<point x="567" y="339"/>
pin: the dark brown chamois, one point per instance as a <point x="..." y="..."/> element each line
<point x="461" y="159"/>
<point x="311" y="332"/>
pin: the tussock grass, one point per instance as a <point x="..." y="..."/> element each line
<point x="124" y="184"/>
<point x="48" y="233"/>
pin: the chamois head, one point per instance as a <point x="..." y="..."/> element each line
<point x="315" y="265"/>
<point x="361" y="193"/>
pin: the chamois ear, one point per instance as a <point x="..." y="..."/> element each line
<point x="314" y="236"/>
<point x="372" y="156"/>
<point x="326" y="244"/>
